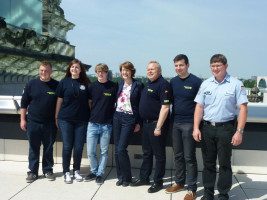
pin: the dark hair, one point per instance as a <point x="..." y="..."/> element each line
<point x="181" y="57"/>
<point x="218" y="58"/>
<point x="83" y="79"/>
<point x="45" y="63"/>
<point x="130" y="66"/>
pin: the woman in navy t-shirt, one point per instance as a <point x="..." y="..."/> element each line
<point x="72" y="115"/>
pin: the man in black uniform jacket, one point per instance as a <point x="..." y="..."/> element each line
<point x="39" y="99"/>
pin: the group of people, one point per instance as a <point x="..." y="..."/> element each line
<point x="83" y="111"/>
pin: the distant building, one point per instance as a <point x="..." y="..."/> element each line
<point x="32" y="31"/>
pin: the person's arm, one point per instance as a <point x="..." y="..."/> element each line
<point x="58" y="106"/>
<point x="199" y="111"/>
<point x="164" y="111"/>
<point x="23" y="122"/>
<point x="242" y="118"/>
<point x="90" y="104"/>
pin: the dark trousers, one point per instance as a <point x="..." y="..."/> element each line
<point x="123" y="127"/>
<point x="216" y="141"/>
<point x="73" y="137"/>
<point x="153" y="145"/>
<point x="184" y="149"/>
<point x="41" y="133"/>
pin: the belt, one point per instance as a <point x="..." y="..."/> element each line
<point x="219" y="123"/>
<point x="147" y="121"/>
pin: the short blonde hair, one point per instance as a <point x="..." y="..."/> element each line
<point x="101" y="67"/>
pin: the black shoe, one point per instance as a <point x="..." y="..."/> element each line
<point x="31" y="177"/>
<point x="140" y="182"/>
<point x="119" y="182"/>
<point x="50" y="176"/>
<point x="89" y="177"/>
<point x="206" y="198"/>
<point x="223" y="197"/>
<point x="155" y="187"/>
<point x="99" y="180"/>
<point x="125" y="184"/>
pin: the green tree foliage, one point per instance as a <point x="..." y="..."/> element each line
<point x="249" y="83"/>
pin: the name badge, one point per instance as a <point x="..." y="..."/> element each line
<point x="207" y="93"/>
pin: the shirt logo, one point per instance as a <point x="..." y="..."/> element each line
<point x="188" y="87"/>
<point x="227" y="92"/>
<point x="149" y="90"/>
<point x="207" y="93"/>
<point x="82" y="87"/>
<point x="107" y="94"/>
<point x="51" y="93"/>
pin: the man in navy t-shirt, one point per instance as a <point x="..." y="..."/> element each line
<point x="185" y="87"/>
<point x="102" y="98"/>
<point x="40" y="100"/>
<point x="154" y="110"/>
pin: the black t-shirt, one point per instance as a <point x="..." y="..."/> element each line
<point x="40" y="99"/>
<point x="184" y="93"/>
<point x="75" y="106"/>
<point x="103" y="96"/>
<point x="154" y="95"/>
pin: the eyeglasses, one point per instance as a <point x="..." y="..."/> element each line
<point x="100" y="72"/>
<point x="216" y="66"/>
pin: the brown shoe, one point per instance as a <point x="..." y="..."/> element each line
<point x="174" y="188"/>
<point x="190" y="195"/>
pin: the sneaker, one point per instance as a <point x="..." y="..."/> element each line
<point x="67" y="178"/>
<point x="77" y="176"/>
<point x="190" y="195"/>
<point x="174" y="188"/>
<point x="50" y="176"/>
<point x="31" y="177"/>
<point x="90" y="177"/>
<point x="99" y="180"/>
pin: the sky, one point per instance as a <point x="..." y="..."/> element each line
<point x="115" y="31"/>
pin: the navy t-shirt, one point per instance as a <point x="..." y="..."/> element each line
<point x="154" y="95"/>
<point x="103" y="96"/>
<point x="40" y="99"/>
<point x="75" y="106"/>
<point x="184" y="93"/>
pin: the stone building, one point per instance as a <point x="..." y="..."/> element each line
<point x="32" y="31"/>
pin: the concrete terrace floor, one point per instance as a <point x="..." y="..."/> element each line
<point x="13" y="186"/>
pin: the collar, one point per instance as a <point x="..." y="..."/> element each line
<point x="226" y="79"/>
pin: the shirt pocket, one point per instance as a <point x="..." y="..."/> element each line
<point x="209" y="99"/>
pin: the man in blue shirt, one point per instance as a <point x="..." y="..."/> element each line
<point x="154" y="110"/>
<point x="40" y="100"/>
<point x="185" y="87"/>
<point x="217" y="102"/>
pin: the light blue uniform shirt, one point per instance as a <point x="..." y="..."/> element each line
<point x="220" y="100"/>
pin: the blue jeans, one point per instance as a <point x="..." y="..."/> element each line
<point x="123" y="127"/>
<point x="184" y="149"/>
<point x="73" y="137"/>
<point x="94" y="132"/>
<point x="38" y="133"/>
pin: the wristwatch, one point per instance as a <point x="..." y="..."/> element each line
<point x="240" y="130"/>
<point x="157" y="128"/>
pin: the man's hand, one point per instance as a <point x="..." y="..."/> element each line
<point x="197" y="135"/>
<point x="23" y="125"/>
<point x="157" y="132"/>
<point x="237" y="138"/>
